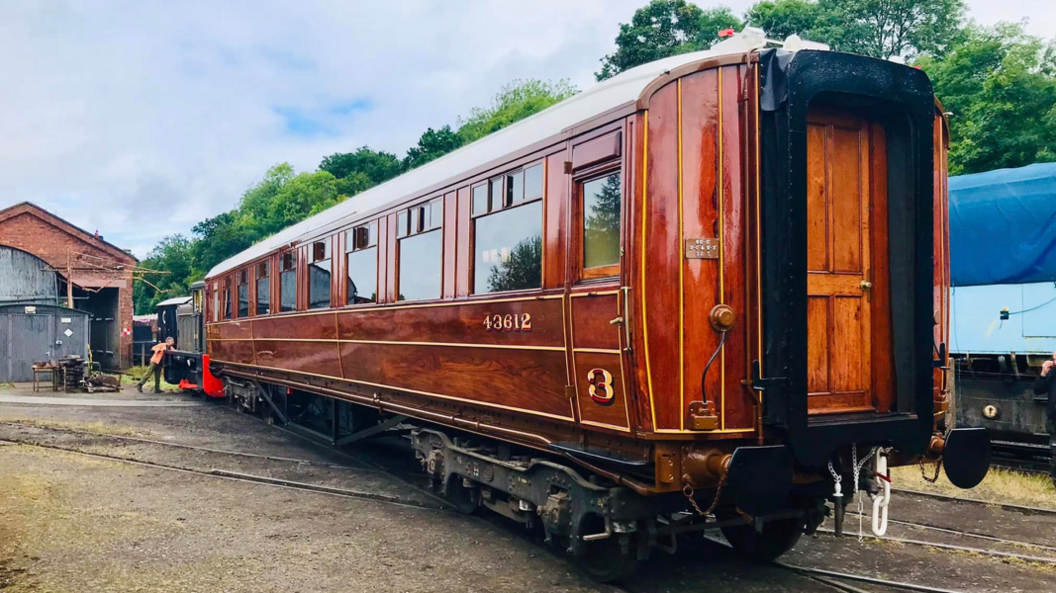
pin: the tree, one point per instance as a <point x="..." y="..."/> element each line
<point x="432" y="144"/>
<point x="174" y="255"/>
<point x="1000" y="85"/>
<point x="665" y="28"/>
<point x="889" y="28"/>
<point x="377" y="165"/>
<point x="516" y="101"/>
<point x="781" y="18"/>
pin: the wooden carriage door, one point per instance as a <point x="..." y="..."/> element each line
<point x="840" y="310"/>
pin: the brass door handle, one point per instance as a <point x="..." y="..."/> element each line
<point x="866" y="285"/>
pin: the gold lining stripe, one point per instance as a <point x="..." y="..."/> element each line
<point x="681" y="273"/>
<point x="645" y="324"/>
<point x="595" y="294"/>
<point x="398" y="343"/>
<point x="387" y="307"/>
<point x="623" y="373"/>
<point x="596" y="351"/>
<point x="414" y="391"/>
<point x="704" y="432"/>
<point x="603" y="425"/>
<point x="722" y="262"/>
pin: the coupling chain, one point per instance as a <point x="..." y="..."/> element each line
<point x="687" y="491"/>
<point x="924" y="474"/>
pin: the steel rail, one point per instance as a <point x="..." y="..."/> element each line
<point x="971" y="534"/>
<point x="1003" y="505"/>
<point x="818" y="572"/>
<point x="247" y="478"/>
<point x="941" y="546"/>
<point x="190" y="447"/>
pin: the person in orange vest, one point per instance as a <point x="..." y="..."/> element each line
<point x="155" y="365"/>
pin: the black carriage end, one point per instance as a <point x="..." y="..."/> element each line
<point x="901" y="99"/>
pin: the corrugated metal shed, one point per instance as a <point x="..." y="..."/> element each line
<point x="25" y="278"/>
<point x="38" y="333"/>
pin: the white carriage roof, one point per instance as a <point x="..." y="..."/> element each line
<point x="181" y="300"/>
<point x="612" y="93"/>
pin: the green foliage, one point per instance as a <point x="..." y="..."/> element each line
<point x="516" y="101"/>
<point x="665" y="28"/>
<point x="888" y="28"/>
<point x="377" y="165"/>
<point x="781" y="18"/>
<point x="174" y="255"/>
<point x="878" y="28"/>
<point x="1000" y="85"/>
<point x="432" y="144"/>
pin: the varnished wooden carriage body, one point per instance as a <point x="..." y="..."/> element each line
<point x="747" y="179"/>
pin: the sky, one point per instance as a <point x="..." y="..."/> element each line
<point x="138" y="119"/>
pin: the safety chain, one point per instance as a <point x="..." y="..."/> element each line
<point x="923" y="472"/>
<point x="687" y="491"/>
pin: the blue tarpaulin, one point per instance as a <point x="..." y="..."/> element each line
<point x="1003" y="226"/>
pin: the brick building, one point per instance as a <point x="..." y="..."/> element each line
<point x="94" y="274"/>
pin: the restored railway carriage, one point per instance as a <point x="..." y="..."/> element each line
<point x="722" y="270"/>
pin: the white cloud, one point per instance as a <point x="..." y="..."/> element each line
<point x="140" y="119"/>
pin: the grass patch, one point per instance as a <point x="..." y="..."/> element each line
<point x="1000" y="486"/>
<point x="134" y="374"/>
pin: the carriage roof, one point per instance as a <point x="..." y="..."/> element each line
<point x="610" y="94"/>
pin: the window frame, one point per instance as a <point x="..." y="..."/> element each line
<point x="242" y="279"/>
<point x="579" y="181"/>
<point x="352" y="245"/>
<point x="227" y="314"/>
<point x="327" y="244"/>
<point x="292" y="253"/>
<point x="266" y="264"/>
<point x="413" y="215"/>
<point x="504" y="189"/>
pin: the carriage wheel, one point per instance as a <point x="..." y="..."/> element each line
<point x="609" y="560"/>
<point x="776" y="538"/>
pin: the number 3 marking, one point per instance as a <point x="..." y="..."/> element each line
<point x="600" y="386"/>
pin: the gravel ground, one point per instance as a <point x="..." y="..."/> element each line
<point x="74" y="523"/>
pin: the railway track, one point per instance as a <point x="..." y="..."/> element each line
<point x="833" y="580"/>
<point x="241" y="477"/>
<point x="1031" y="458"/>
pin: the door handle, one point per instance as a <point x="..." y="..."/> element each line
<point x="866" y="285"/>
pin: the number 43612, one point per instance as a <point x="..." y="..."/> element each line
<point x="510" y="322"/>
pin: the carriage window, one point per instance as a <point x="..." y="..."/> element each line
<point x="243" y="293"/>
<point x="216" y="302"/>
<point x="362" y="264"/>
<point x="227" y="298"/>
<point x="421" y="253"/>
<point x="263" y="288"/>
<point x="319" y="276"/>
<point x="480" y="199"/>
<point x="508" y="241"/>
<point x="288" y="282"/>
<point x="533" y="182"/>
<point x="601" y="226"/>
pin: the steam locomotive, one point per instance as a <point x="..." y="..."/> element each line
<point x="696" y="296"/>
